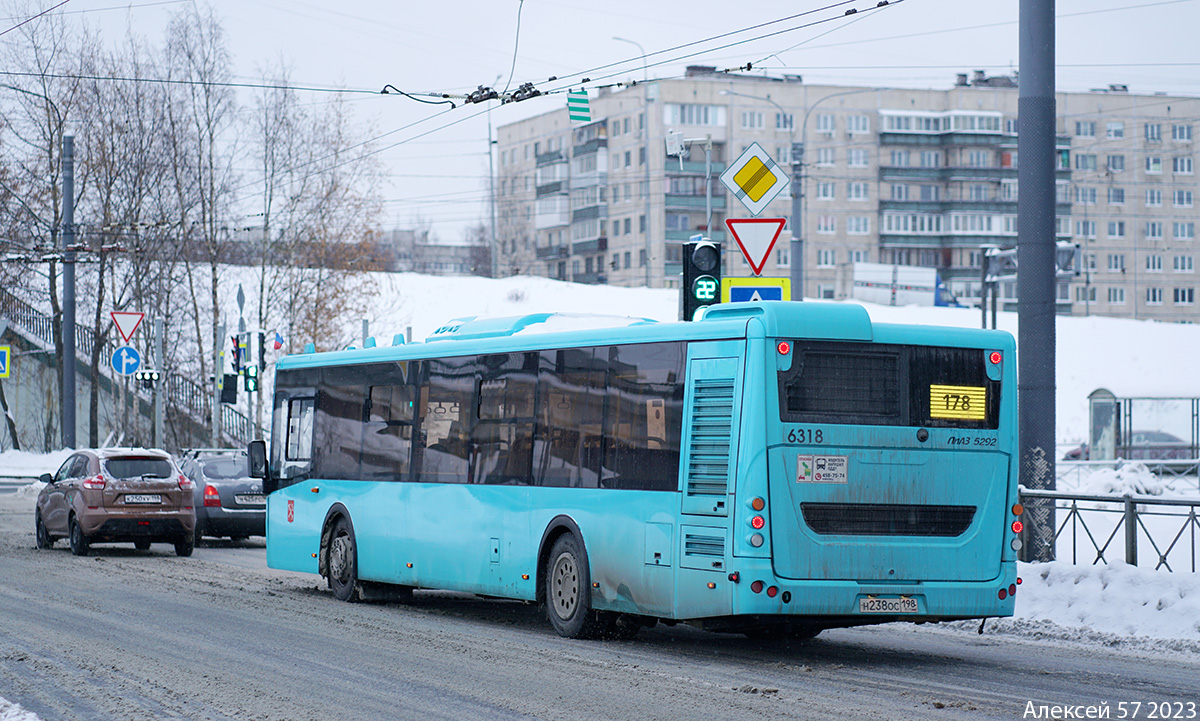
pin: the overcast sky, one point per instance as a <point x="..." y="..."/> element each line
<point x="454" y="46"/>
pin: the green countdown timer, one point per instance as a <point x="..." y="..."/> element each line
<point x="705" y="289"/>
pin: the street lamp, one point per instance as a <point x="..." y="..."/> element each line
<point x="796" y="268"/>
<point x="646" y="140"/>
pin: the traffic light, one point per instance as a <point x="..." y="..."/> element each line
<point x="237" y="354"/>
<point x="701" y="275"/>
<point x="147" y="377"/>
<point x="229" y="389"/>
<point x="251" y="378"/>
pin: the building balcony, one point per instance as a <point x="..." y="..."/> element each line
<point x="554" y="188"/>
<point x="554" y="156"/>
<point x="589" y="213"/>
<point x="590" y="278"/>
<point x="591" y="146"/>
<point x="553" y="252"/>
<point x="693" y="167"/>
<point x="683" y="236"/>
<point x="695" y="201"/>
<point x="584" y="247"/>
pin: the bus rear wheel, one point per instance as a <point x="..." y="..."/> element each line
<point x="343" y="561"/>
<point x="569" y="591"/>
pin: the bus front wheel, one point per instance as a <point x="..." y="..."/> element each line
<point x="343" y="562"/>
<point x="569" y="591"/>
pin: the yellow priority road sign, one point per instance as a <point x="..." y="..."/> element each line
<point x="755" y="179"/>
<point x="742" y="290"/>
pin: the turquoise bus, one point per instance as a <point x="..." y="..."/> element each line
<point x="774" y="468"/>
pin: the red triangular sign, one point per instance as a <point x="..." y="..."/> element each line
<point x="756" y="237"/>
<point x="127" y="323"/>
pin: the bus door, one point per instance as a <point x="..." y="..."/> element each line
<point x="888" y="464"/>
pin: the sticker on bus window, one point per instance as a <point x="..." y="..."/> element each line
<point x="965" y="403"/>
<point x="822" y="469"/>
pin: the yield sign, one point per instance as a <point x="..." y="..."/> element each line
<point x="127" y="323"/>
<point x="756" y="237"/>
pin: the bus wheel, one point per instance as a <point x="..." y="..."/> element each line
<point x="343" y="562"/>
<point x="569" y="591"/>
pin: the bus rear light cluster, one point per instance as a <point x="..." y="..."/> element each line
<point x="211" y="497"/>
<point x="758" y="522"/>
<point x="94" y="484"/>
<point x="757" y="586"/>
<point x="784" y="347"/>
<point x="756" y="540"/>
<point x="1006" y="592"/>
<point x="994" y="357"/>
<point x="1017" y="526"/>
<point x="772" y="591"/>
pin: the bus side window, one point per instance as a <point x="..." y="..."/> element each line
<point x="297" y="456"/>
<point x="387" y="433"/>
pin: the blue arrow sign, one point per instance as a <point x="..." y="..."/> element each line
<point x="126" y="360"/>
<point x="5" y="360"/>
<point x="752" y="293"/>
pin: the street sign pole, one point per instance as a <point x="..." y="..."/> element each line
<point x="218" y="381"/>
<point x="158" y="387"/>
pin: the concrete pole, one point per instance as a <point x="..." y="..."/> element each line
<point x="1037" y="277"/>
<point x="68" y="317"/>
<point x="160" y="386"/>
<point x="218" y="382"/>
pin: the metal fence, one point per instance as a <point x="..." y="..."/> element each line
<point x="1161" y="531"/>
<point x="182" y="393"/>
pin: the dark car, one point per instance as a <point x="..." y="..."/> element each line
<point x="228" y="501"/>
<point x="116" y="495"/>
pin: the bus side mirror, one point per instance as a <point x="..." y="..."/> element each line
<point x="257" y="453"/>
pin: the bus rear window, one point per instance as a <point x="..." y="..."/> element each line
<point x="890" y="385"/>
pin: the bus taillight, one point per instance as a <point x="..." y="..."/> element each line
<point x="995" y="357"/>
<point x="1017" y="526"/>
<point x="758" y="522"/>
<point x="756" y="586"/>
<point x="784" y="347"/>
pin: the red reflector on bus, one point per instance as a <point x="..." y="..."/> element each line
<point x="772" y="591"/>
<point x="1018" y="526"/>
<point x="784" y="347"/>
<point x="1003" y="594"/>
<point x="1012" y="589"/>
<point x="758" y="522"/>
<point x="756" y="586"/>
<point x="758" y="504"/>
<point x="711" y="584"/>
<point x="1018" y="509"/>
<point x="994" y="357"/>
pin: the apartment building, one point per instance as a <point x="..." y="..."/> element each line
<point x="918" y="177"/>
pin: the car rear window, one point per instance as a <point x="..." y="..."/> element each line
<point x="221" y="468"/>
<point x="138" y="467"/>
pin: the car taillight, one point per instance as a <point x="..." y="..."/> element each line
<point x="95" y="484"/>
<point x="185" y="483"/>
<point x="211" y="497"/>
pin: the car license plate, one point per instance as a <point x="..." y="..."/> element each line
<point x="143" y="498"/>
<point x="250" y="499"/>
<point x="887" y="605"/>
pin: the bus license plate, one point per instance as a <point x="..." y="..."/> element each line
<point x="250" y="499"/>
<point x="143" y="498"/>
<point x="887" y="605"/>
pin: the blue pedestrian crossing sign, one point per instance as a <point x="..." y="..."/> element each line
<point x="5" y="360"/>
<point x="126" y="360"/>
<point x="750" y="290"/>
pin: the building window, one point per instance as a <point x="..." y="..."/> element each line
<point x="1085" y="294"/>
<point x="900" y="158"/>
<point x="825" y="156"/>
<point x="1085" y="128"/>
<point x="1085" y="196"/>
<point x="641" y="224"/>
<point x="1116" y="163"/>
<point x="1153" y="198"/>
<point x="825" y="123"/>
<point x="1153" y="131"/>
<point x="694" y="114"/>
<point x="783" y="154"/>
<point x="979" y="159"/>
<point x="1153" y="263"/>
<point x="1182" y="264"/>
<point x="1116" y="229"/>
<point x="825" y="191"/>
<point x="628" y="226"/>
<point x="826" y="258"/>
<point x="856" y="158"/>
<point x="899" y="191"/>
<point x="752" y="120"/>
<point x="1116" y="263"/>
<point x="1154" y="296"/>
<point x="782" y="257"/>
<point x="1185" y="231"/>
<point x="858" y="225"/>
<point x="1182" y="198"/>
<point x="1116" y="129"/>
<point x="1085" y="161"/>
<point x="1085" y="229"/>
<point x="1153" y="164"/>
<point x="1185" y="296"/>
<point x="826" y="225"/>
<point x="1181" y="132"/>
<point x="931" y="159"/>
<point x="857" y="191"/>
<point x="929" y="193"/>
<point x="1011" y="126"/>
<point x="978" y="192"/>
<point x="1116" y="196"/>
<point x="628" y="158"/>
<point x="627" y="257"/>
<point x="859" y="124"/>
<point x="1116" y="296"/>
<point x="1182" y="165"/>
<point x="642" y="155"/>
<point x="785" y="121"/>
<point x="642" y="258"/>
<point x="1154" y="230"/>
<point x="616" y="228"/>
<point x="860" y="256"/>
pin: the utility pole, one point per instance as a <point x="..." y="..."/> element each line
<point x="68" y="318"/>
<point x="1036" y="258"/>
<point x="218" y="383"/>
<point x="160" y="384"/>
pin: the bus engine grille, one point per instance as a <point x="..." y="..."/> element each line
<point x="873" y="519"/>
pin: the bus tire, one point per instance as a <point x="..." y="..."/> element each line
<point x="343" y="561"/>
<point x="569" y="591"/>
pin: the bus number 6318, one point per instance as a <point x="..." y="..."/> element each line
<point x="805" y="435"/>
